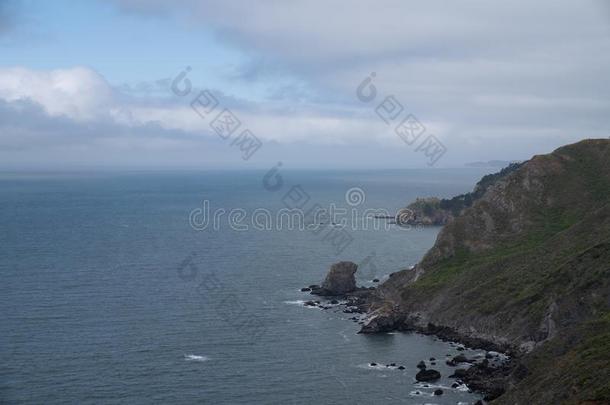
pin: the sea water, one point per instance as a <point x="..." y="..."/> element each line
<point x="113" y="292"/>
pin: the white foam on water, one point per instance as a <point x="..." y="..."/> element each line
<point x="195" y="357"/>
<point x="368" y="365"/>
<point x="380" y="367"/>
<point x="301" y="303"/>
<point x="297" y="302"/>
<point x="419" y="393"/>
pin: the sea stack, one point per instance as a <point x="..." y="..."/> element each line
<point x="339" y="280"/>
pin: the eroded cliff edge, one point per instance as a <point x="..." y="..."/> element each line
<point x="526" y="266"/>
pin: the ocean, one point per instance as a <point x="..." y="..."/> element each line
<point x="115" y="290"/>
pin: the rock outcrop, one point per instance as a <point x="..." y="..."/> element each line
<point x="427" y="375"/>
<point x="340" y="279"/>
<point x="435" y="211"/>
<point x="427" y="211"/>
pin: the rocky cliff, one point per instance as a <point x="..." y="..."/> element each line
<point x="435" y="211"/>
<point x="428" y="211"/>
<point x="525" y="266"/>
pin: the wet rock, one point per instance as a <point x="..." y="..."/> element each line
<point x="313" y="286"/>
<point x="438" y="392"/>
<point x="334" y="302"/>
<point x="492" y="381"/>
<point x="454" y="385"/>
<point x="401" y="367"/>
<point x="421" y="365"/>
<point x="375" y="280"/>
<point x="392" y="364"/>
<point x="305" y="289"/>
<point x="310" y="304"/>
<point x="428" y="375"/>
<point x="458" y="373"/>
<point x="432" y="359"/>
<point x="380" y="323"/>
<point x="460" y="358"/>
<point x="372" y="364"/>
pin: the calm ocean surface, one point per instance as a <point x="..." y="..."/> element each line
<point x="108" y="295"/>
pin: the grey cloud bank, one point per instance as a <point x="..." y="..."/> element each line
<point x="490" y="80"/>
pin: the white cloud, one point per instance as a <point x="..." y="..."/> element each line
<point x="491" y="79"/>
<point x="83" y="95"/>
<point x="78" y="93"/>
<point x="468" y="66"/>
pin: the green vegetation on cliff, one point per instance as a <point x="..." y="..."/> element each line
<point x="528" y="264"/>
<point x="435" y="211"/>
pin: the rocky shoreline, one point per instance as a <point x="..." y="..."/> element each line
<point x="486" y="377"/>
<point x="520" y="268"/>
<point x="489" y="375"/>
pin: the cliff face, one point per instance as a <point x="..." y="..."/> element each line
<point x="427" y="211"/>
<point x="527" y="265"/>
<point x="435" y="211"/>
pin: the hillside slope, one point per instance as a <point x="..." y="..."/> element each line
<point x="526" y="266"/>
<point x="435" y="211"/>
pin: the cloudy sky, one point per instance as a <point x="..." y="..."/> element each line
<point x="96" y="84"/>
